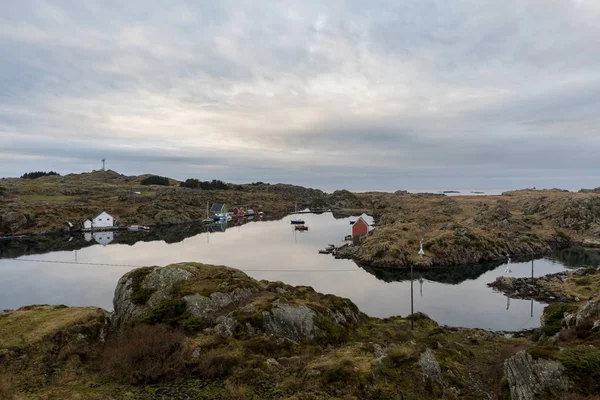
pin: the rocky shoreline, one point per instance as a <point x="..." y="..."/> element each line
<point x="192" y="330"/>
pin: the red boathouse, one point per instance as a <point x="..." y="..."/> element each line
<point x="360" y="227"/>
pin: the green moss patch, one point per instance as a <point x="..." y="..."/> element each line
<point x="553" y="316"/>
<point x="139" y="294"/>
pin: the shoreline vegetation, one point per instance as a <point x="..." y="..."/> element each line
<point x="193" y="330"/>
<point x="455" y="230"/>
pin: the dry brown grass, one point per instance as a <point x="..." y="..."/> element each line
<point x="30" y="324"/>
<point x="7" y="390"/>
<point x="144" y="354"/>
<point x="235" y="392"/>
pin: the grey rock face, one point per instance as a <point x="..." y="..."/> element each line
<point x="588" y="314"/>
<point x="226" y="326"/>
<point x="226" y="302"/>
<point x="205" y="306"/>
<point x="12" y="222"/>
<point x="431" y="368"/>
<point x="161" y="280"/>
<point x="531" y="379"/>
<point x="292" y="322"/>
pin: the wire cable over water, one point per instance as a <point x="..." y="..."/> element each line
<point x="140" y="266"/>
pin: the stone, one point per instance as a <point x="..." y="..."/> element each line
<point x="226" y="302"/>
<point x="569" y="320"/>
<point x="588" y="313"/>
<point x="226" y="326"/>
<point x="12" y="222"/>
<point x="290" y="321"/>
<point x="203" y="306"/>
<point x="160" y="280"/>
<point x="596" y="326"/>
<point x="431" y="368"/>
<point x="532" y="379"/>
<point x="273" y="363"/>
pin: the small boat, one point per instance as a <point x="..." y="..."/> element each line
<point x="328" y="249"/>
<point x="352" y="222"/>
<point x="297" y="221"/>
<point x="301" y="227"/>
<point x="138" y="228"/>
<point x="261" y="213"/>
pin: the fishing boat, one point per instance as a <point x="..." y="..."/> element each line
<point x="297" y="221"/>
<point x="301" y="227"/>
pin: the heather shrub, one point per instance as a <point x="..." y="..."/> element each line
<point x="144" y="354"/>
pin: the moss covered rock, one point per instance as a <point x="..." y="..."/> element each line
<point x="226" y="302"/>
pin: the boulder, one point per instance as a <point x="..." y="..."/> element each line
<point x="226" y="302"/>
<point x="12" y="222"/>
<point x="431" y="368"/>
<point x="589" y="314"/>
<point x="532" y="379"/>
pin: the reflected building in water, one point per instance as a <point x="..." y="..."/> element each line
<point x="103" y="238"/>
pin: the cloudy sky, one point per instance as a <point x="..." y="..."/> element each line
<point x="330" y="94"/>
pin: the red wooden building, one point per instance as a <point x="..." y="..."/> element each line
<point x="360" y="227"/>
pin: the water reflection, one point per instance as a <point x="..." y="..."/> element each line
<point x="73" y="271"/>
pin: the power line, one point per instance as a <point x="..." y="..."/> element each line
<point x="140" y="266"/>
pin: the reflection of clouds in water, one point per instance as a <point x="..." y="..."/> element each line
<point x="286" y="256"/>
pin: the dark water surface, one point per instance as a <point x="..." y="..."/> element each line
<point x="60" y="270"/>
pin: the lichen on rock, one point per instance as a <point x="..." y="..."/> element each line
<point x="533" y="379"/>
<point x="227" y="302"/>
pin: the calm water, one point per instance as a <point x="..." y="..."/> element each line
<point x="270" y="250"/>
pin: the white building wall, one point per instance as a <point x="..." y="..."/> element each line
<point x="103" y="220"/>
<point x="87" y="224"/>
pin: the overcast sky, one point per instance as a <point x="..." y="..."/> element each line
<point x="329" y="94"/>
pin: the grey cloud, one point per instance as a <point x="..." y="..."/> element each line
<point x="343" y="94"/>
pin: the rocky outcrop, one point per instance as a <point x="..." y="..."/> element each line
<point x="539" y="289"/>
<point x="587" y="318"/>
<point x="226" y="302"/>
<point x="530" y="379"/>
<point x="344" y="199"/>
<point x="12" y="222"/>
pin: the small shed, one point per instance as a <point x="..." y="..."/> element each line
<point x="218" y="209"/>
<point x="360" y="227"/>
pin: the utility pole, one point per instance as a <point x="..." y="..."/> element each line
<point x="412" y="317"/>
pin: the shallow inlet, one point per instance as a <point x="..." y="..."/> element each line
<point x="73" y="271"/>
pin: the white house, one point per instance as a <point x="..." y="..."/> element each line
<point x="102" y="220"/>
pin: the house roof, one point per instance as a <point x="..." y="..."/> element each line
<point x="217" y="207"/>
<point x="100" y="213"/>
<point x="361" y="219"/>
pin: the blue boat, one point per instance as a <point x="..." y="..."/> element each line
<point x="297" y="221"/>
